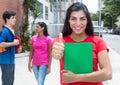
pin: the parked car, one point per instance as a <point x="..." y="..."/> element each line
<point x="117" y="31"/>
<point x="105" y="30"/>
<point x="98" y="31"/>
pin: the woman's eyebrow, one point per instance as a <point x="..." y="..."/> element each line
<point x="80" y="17"/>
<point x="83" y="17"/>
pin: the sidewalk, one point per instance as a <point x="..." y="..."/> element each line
<point x="24" y="77"/>
<point x="115" y="62"/>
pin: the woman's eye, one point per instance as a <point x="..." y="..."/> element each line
<point x="83" y="19"/>
<point x="73" y="19"/>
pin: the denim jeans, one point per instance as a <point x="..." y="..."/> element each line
<point x="7" y="73"/>
<point x="40" y="73"/>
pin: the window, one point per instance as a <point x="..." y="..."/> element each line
<point x="51" y="8"/>
<point x="46" y="0"/>
<point x="63" y="0"/>
<point x="46" y="12"/>
<point x="40" y="7"/>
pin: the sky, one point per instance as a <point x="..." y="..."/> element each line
<point x="92" y="5"/>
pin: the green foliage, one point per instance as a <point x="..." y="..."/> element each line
<point x="28" y="5"/>
<point x="112" y="7"/>
<point x="24" y="36"/>
<point x="25" y="42"/>
<point x="95" y="17"/>
<point x="111" y="11"/>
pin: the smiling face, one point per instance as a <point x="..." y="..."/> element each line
<point x="78" y="22"/>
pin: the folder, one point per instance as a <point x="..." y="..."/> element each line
<point x="78" y="57"/>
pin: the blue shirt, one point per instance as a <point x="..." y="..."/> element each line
<point x="7" y="57"/>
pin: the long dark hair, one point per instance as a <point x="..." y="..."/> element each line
<point x="76" y="7"/>
<point x="45" y="31"/>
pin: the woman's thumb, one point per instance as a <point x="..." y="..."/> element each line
<point x="61" y="38"/>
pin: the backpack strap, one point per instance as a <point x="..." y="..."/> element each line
<point x="8" y="30"/>
<point x="1" y="29"/>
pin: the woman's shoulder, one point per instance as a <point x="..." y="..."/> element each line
<point x="34" y="36"/>
<point x="95" y="38"/>
<point x="48" y="37"/>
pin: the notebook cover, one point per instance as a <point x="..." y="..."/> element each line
<point x="78" y="57"/>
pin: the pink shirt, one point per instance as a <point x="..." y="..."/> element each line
<point x="40" y="47"/>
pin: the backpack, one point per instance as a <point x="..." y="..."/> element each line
<point x="2" y="49"/>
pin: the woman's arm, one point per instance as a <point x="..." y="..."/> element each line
<point x="50" y="58"/>
<point x="105" y="72"/>
<point x="30" y="58"/>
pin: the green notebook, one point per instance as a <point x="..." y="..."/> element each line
<point x="78" y="57"/>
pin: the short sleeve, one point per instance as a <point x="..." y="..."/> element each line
<point x="101" y="45"/>
<point x="31" y="40"/>
<point x="49" y="40"/>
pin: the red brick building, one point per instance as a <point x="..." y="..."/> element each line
<point x="15" y="5"/>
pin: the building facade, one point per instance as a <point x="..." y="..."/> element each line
<point x="45" y="14"/>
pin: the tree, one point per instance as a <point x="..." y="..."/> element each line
<point x="28" y="6"/>
<point x="111" y="12"/>
<point x="112" y="7"/>
<point x="94" y="16"/>
<point x="35" y="12"/>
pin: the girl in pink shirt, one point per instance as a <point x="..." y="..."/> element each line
<point x="40" y="57"/>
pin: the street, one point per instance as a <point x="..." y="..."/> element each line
<point x="113" y="41"/>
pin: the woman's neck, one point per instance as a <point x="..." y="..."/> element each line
<point x="40" y="35"/>
<point x="78" y="37"/>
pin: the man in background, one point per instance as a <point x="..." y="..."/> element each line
<point x="8" y="48"/>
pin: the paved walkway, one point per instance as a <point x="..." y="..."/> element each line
<point x="115" y="61"/>
<point x="24" y="77"/>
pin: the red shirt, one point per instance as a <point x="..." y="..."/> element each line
<point x="98" y="45"/>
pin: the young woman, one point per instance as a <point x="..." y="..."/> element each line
<point x="40" y="53"/>
<point x="78" y="28"/>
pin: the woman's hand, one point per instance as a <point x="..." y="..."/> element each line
<point x="58" y="48"/>
<point x="68" y="77"/>
<point x="29" y="66"/>
<point x="48" y="70"/>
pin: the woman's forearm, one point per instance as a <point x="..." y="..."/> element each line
<point x="97" y="76"/>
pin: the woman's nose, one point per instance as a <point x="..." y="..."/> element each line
<point x="78" y="22"/>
